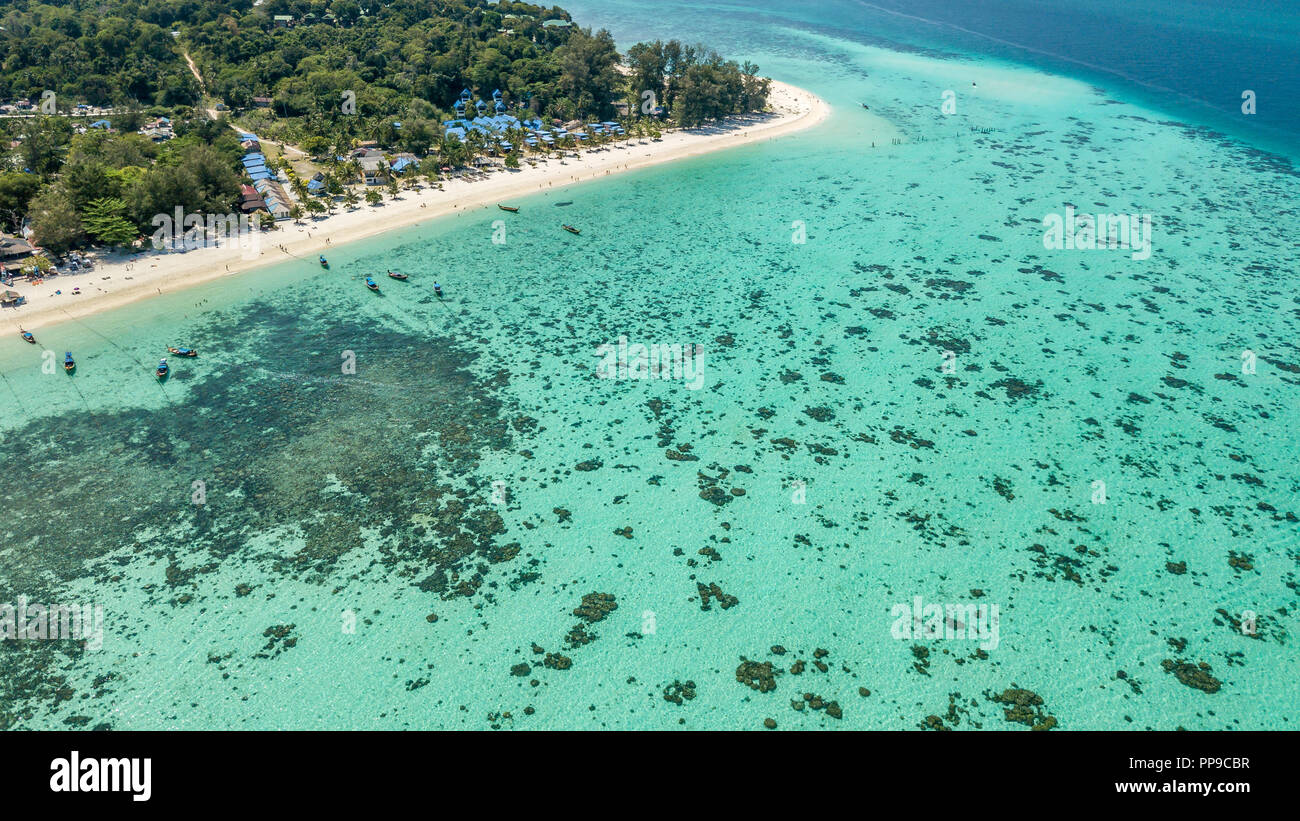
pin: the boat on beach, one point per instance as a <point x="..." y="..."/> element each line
<point x="571" y="229"/>
<point x="372" y="285"/>
<point x="69" y="364"/>
<point x="398" y="277"/>
<point x="28" y="336"/>
<point x="183" y="351"/>
<point x="510" y="208"/>
<point x="162" y="370"/>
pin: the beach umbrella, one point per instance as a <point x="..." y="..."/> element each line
<point x="10" y="296"/>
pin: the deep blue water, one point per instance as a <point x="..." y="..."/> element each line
<point x="1192" y="58"/>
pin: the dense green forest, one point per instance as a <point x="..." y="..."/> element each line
<point x="320" y="75"/>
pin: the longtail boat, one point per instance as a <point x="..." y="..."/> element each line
<point x="162" y="370"/>
<point x="571" y="229"/>
<point x="510" y="208"/>
<point x="182" y="351"/>
<point x="28" y="336"/>
<point x="372" y="285"/>
<point x="69" y="364"/>
<point x="398" y="277"/>
<point x="324" y="263"/>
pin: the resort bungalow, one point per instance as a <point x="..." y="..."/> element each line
<point x="374" y="168"/>
<point x="160" y="130"/>
<point x="273" y="194"/>
<point x="255" y="167"/>
<point x="262" y="102"/>
<point x="13" y="249"/>
<point x="404" y="161"/>
<point x="250" y="200"/>
<point x="282" y="20"/>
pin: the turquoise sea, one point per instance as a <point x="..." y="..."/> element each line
<point x="904" y="395"/>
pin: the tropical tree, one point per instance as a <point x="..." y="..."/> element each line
<point x="55" y="222"/>
<point x="104" y="220"/>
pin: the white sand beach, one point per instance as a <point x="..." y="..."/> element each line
<point x="120" y="279"/>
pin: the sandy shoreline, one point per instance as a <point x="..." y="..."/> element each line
<point x="119" y="280"/>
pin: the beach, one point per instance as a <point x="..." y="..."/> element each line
<point x="120" y="279"/>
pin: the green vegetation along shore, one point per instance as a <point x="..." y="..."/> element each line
<point x="116" y="111"/>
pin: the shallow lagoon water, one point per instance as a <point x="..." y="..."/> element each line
<point x="392" y="548"/>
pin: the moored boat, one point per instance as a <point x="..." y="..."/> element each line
<point x="397" y="276"/>
<point x="69" y="364"/>
<point x="372" y="285"/>
<point x="28" y="336"/>
<point x="183" y="351"/>
<point x="324" y="263"/>
<point x="162" y="370"/>
<point x="510" y="208"/>
<point x="571" y="229"/>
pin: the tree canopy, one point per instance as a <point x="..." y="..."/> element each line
<point x="324" y="75"/>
